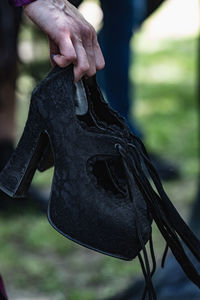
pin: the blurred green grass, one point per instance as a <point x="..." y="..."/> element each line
<point x="34" y="258"/>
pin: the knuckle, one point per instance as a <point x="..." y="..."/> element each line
<point x="87" y="32"/>
<point x="91" y="72"/>
<point x="84" y="68"/>
<point x="103" y="63"/>
<point x="100" y="65"/>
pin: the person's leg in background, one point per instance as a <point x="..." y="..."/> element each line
<point x="9" y="27"/>
<point x="114" y="38"/>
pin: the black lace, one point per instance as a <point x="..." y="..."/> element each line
<point x="171" y="225"/>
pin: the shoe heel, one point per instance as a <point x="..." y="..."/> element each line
<point x="17" y="175"/>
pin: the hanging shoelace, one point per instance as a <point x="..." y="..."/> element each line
<point x="171" y="225"/>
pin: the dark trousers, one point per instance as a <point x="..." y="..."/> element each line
<point x="9" y="27"/>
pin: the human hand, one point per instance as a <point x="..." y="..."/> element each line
<point x="72" y="39"/>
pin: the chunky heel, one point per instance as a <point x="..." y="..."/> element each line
<point x="17" y="175"/>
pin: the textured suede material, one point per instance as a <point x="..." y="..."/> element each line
<point x="80" y="207"/>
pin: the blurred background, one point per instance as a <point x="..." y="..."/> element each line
<point x="37" y="262"/>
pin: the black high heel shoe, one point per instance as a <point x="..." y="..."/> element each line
<point x="80" y="154"/>
<point x="100" y="196"/>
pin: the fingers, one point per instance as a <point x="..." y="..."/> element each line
<point x="91" y="59"/>
<point x="81" y="66"/>
<point x="84" y="52"/>
<point x="99" y="59"/>
<point x="89" y="55"/>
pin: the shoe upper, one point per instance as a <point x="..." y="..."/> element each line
<point x="90" y="199"/>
